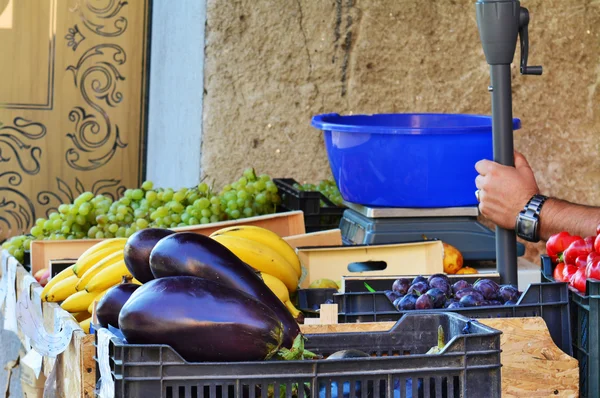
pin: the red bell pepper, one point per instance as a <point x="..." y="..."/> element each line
<point x="592" y="269"/>
<point x="581" y="261"/>
<point x="576" y="249"/>
<point x="578" y="280"/>
<point x="568" y="271"/>
<point x="592" y="256"/>
<point x="558" y="272"/>
<point x="597" y="244"/>
<point x="558" y="243"/>
<point x="598" y="230"/>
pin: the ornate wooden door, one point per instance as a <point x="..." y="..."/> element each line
<point x="73" y="82"/>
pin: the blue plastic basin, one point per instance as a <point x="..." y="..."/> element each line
<point x="418" y="160"/>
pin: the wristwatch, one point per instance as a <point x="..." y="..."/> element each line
<point x="528" y="220"/>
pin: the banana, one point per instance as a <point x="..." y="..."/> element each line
<point x="278" y="287"/>
<point x="261" y="258"/>
<point x="101" y="245"/>
<point x="85" y="325"/>
<point x="62" y="275"/>
<point x="97" y="300"/>
<point x="266" y="237"/>
<point x="136" y="282"/>
<point x="62" y="289"/>
<point x="81" y="316"/>
<point x="84" y="264"/>
<point x="108" y="277"/>
<point x="98" y="267"/>
<point x="79" y="301"/>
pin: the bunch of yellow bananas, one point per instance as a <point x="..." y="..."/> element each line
<point x="96" y="271"/>
<point x="268" y="253"/>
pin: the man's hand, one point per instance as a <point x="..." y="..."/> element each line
<point x="504" y="190"/>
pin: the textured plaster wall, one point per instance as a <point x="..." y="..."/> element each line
<point x="271" y="65"/>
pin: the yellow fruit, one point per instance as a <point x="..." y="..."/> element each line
<point x="266" y="237"/>
<point x="85" y="325"/>
<point x="280" y="290"/>
<point x="81" y="316"/>
<point x="97" y="300"/>
<point x="99" y="266"/>
<point x="101" y="245"/>
<point x="453" y="259"/>
<point x="261" y="258"/>
<point x="62" y="275"/>
<point x="323" y="284"/>
<point x="62" y="289"/>
<point x="136" y="282"/>
<point x="79" y="301"/>
<point x="108" y="277"/>
<point x="466" y="270"/>
<point x="84" y="264"/>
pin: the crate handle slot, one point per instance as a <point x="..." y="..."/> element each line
<point x="367" y="266"/>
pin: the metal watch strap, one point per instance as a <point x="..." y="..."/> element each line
<point x="532" y="209"/>
<point x="535" y="204"/>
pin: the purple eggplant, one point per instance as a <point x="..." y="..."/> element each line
<point x="109" y="306"/>
<point x="201" y="320"/>
<point x="137" y="251"/>
<point x="190" y="254"/>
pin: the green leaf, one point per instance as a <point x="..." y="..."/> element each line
<point x="369" y="288"/>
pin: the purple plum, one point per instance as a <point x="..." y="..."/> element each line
<point x="406" y="303"/>
<point x="441" y="284"/>
<point x="435" y="276"/>
<point x="438" y="297"/>
<point x="392" y="295"/>
<point x="419" y="279"/>
<point x="510" y="302"/>
<point x="509" y="293"/>
<point x="471" y="300"/>
<point x="488" y="288"/>
<point x="454" y="304"/>
<point x="418" y="288"/>
<point x="469" y="291"/>
<point x="494" y="302"/>
<point x="401" y="286"/>
<point x="461" y="284"/>
<point x="424" y="302"/>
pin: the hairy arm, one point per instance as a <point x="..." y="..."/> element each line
<point x="559" y="215"/>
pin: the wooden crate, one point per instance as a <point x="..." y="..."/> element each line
<point x="284" y="224"/>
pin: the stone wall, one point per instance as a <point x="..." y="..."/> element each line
<point x="271" y="65"/>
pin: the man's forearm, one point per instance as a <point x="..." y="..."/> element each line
<point x="559" y="215"/>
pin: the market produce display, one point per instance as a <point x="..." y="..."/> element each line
<point x="438" y="291"/>
<point x="575" y="258"/>
<point x="327" y="187"/>
<point x="98" y="216"/>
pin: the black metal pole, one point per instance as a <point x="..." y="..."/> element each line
<point x="502" y="130"/>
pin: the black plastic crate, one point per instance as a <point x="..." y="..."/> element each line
<point x="547" y="300"/>
<point x="316" y="217"/>
<point x="468" y="366"/>
<point x="311" y="299"/>
<point x="385" y="283"/>
<point x="585" y="330"/>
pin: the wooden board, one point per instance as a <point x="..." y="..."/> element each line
<point x="73" y="93"/>
<point x="424" y="258"/>
<point x="284" y="224"/>
<point x="532" y="365"/>
<point x="331" y="237"/>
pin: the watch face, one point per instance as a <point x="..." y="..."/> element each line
<point x="526" y="227"/>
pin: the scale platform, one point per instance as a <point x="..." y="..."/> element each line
<point x="457" y="226"/>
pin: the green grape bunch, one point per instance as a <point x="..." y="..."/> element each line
<point x="327" y="187"/>
<point x="99" y="216"/>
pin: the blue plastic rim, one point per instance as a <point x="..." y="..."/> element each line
<point x="417" y="160"/>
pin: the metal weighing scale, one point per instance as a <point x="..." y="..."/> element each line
<point x="457" y="226"/>
<point x="500" y="23"/>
